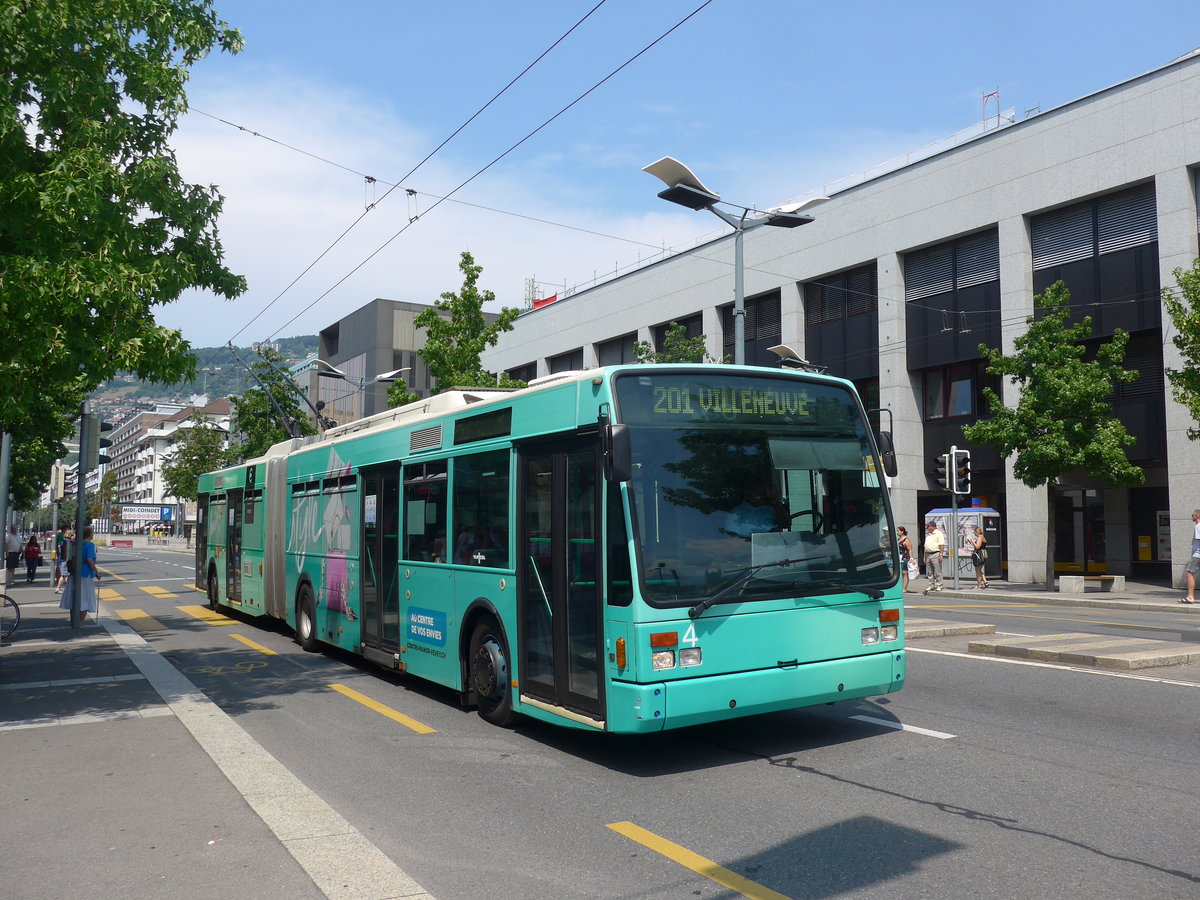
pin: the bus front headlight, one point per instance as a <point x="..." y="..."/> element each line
<point x="663" y="659"/>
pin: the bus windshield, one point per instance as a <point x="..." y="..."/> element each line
<point x="733" y="472"/>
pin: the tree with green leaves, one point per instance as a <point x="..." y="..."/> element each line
<point x="1184" y="309"/>
<point x="1063" y="420"/>
<point x="457" y="333"/>
<point x="97" y="227"/>
<point x="265" y="417"/>
<point x="398" y="394"/>
<point x="201" y="447"/>
<point x="677" y="347"/>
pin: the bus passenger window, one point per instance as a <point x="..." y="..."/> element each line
<point x="425" y="512"/>
<point x="481" y="509"/>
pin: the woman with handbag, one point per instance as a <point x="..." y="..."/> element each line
<point x="979" y="558"/>
<point x="908" y="563"/>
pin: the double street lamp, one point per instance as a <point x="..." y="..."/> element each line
<point x="328" y="370"/>
<point x="685" y="189"/>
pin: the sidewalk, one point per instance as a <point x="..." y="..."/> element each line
<point x="1135" y="596"/>
<point x="123" y="779"/>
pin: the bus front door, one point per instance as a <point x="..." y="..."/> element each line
<point x="381" y="553"/>
<point x="560" y="638"/>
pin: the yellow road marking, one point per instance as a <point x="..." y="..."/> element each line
<point x="138" y="619"/>
<point x="1078" y="619"/>
<point x="109" y="595"/>
<point x="207" y="616"/>
<point x="418" y="727"/>
<point x="111" y="574"/>
<point x="696" y="862"/>
<point x="255" y="646"/>
<point x="159" y="593"/>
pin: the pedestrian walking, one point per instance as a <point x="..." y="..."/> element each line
<point x="1193" y="567"/>
<point x="33" y="558"/>
<point x="12" y="552"/>
<point x="87" y="581"/>
<point x="979" y="557"/>
<point x="935" y="548"/>
<point x="908" y="561"/>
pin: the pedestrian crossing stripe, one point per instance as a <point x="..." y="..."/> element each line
<point x="207" y="616"/>
<point x="139" y="620"/>
<point x="159" y="593"/>
<point x="110" y="596"/>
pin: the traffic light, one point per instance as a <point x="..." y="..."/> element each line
<point x="962" y="471"/>
<point x="944" y="466"/>
<point x="92" y="429"/>
<point x="58" y="482"/>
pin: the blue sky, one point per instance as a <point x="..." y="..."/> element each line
<point x="766" y="100"/>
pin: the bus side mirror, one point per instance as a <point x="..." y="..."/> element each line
<point x="618" y="457"/>
<point x="887" y="454"/>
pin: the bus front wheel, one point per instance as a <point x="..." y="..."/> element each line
<point x="489" y="671"/>
<point x="306" y="621"/>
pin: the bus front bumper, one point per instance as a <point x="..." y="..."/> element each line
<point x="694" y="701"/>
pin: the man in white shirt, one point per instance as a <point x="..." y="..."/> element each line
<point x="1193" y="566"/>
<point x="12" y="552"/>
<point x="935" y="548"/>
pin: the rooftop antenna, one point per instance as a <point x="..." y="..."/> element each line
<point x="994" y="95"/>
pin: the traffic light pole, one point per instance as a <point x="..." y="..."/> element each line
<point x="73" y="580"/>
<point x="952" y="538"/>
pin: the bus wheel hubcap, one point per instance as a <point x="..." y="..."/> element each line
<point x="490" y="668"/>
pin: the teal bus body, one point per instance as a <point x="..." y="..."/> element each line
<point x="627" y="549"/>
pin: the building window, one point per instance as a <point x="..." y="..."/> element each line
<point x="763" y="328"/>
<point x="952" y="300"/>
<point x="950" y="392"/>
<point x="617" y="351"/>
<point x="693" y="327"/>
<point x="841" y="322"/>
<point x="851" y="293"/>
<point x="525" y="373"/>
<point x="1106" y="251"/>
<point x="566" y="362"/>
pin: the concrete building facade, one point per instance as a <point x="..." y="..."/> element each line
<point x="905" y="272"/>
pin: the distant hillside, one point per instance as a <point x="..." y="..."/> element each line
<point x="217" y="375"/>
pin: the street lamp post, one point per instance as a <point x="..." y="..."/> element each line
<point x="685" y="189"/>
<point x="328" y="370"/>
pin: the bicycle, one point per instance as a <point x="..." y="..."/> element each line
<point x="10" y="616"/>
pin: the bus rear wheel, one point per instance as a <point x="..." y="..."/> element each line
<point x="489" y="672"/>
<point x="214" y="592"/>
<point x="306" y="621"/>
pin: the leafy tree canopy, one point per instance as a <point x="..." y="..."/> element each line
<point x="677" y="347"/>
<point x="1184" y="309"/>
<point x="457" y="333"/>
<point x="97" y="227"/>
<point x="1063" y="419"/>
<point x="200" y="448"/>
<point x="262" y="418"/>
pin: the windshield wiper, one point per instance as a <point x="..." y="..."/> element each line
<point x="839" y="587"/>
<point x="734" y="585"/>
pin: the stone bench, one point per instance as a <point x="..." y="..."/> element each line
<point x="1078" y="584"/>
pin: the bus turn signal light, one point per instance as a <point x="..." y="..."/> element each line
<point x="621" y="657"/>
<point x="664" y="639"/>
<point x="889" y="615"/>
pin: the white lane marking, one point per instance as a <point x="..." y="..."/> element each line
<point x="980" y="657"/>
<point x="339" y="858"/>
<point x="900" y="726"/>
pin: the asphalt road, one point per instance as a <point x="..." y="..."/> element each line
<point x="983" y="778"/>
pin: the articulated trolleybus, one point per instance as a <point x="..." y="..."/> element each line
<point x="625" y="549"/>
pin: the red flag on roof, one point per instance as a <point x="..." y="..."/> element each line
<point x="538" y="304"/>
